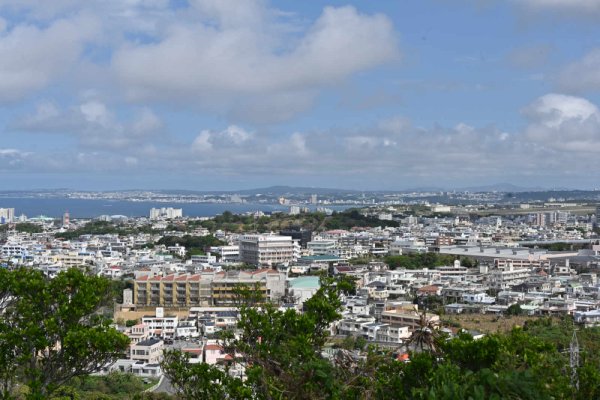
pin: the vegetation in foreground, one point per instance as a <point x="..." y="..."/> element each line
<point x="52" y="336"/>
<point x="52" y="330"/>
<point x="283" y="352"/>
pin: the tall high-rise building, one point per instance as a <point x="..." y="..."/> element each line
<point x="540" y="219"/>
<point x="66" y="219"/>
<point x="7" y="215"/>
<point x="313" y="199"/>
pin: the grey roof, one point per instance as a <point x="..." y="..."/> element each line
<point x="148" y="342"/>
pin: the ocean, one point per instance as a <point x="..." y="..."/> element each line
<point x="81" y="208"/>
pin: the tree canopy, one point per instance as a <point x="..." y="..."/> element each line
<point x="51" y="330"/>
<point x="425" y="260"/>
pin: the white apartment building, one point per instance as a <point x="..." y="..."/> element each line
<point x="505" y="278"/>
<point x="322" y="247"/>
<point x="7" y="215"/>
<point x="138" y="333"/>
<point x="161" y="325"/>
<point x="266" y="250"/>
<point x="226" y="253"/>
<point x="13" y="250"/>
<point x="165" y="212"/>
<point x="149" y="351"/>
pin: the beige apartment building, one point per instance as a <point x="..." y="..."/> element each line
<point x="220" y="288"/>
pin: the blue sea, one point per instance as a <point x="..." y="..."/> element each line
<point x="80" y="208"/>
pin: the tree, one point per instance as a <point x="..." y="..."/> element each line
<point x="514" y="309"/>
<point x="280" y="349"/>
<point x="201" y="381"/>
<point x="426" y="337"/>
<point x="282" y="355"/>
<point x="51" y="330"/>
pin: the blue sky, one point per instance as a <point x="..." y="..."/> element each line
<point x="226" y="94"/>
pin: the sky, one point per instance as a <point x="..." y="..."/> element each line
<point x="237" y="94"/>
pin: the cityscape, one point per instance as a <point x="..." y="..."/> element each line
<point x="287" y="200"/>
<point x="179" y="276"/>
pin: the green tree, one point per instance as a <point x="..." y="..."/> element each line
<point x="27" y="227"/>
<point x="281" y="351"/>
<point x="514" y="309"/>
<point x="51" y="330"/>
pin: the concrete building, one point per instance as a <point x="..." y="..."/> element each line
<point x="138" y="333"/>
<point x="7" y="215"/>
<point x="165" y="213"/>
<point x="405" y="315"/>
<point x="161" y="325"/>
<point x="270" y="283"/>
<point x="303" y="236"/>
<point x="172" y="290"/>
<point x="226" y="253"/>
<point x="507" y="277"/>
<point x="205" y="289"/>
<point x="303" y="288"/>
<point x="149" y="351"/>
<point x="266" y="250"/>
<point x="322" y="247"/>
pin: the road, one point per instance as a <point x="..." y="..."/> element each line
<point x="165" y="386"/>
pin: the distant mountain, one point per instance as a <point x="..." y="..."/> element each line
<point x="282" y="190"/>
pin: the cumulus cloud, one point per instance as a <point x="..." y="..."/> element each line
<point x="561" y="138"/>
<point x="564" y="122"/>
<point x="235" y="63"/>
<point x="560" y="130"/>
<point x="32" y="58"/>
<point x="94" y="125"/>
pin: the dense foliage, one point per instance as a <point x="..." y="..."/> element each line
<point x="314" y="221"/>
<point x="113" y="386"/>
<point x="103" y="228"/>
<point x="193" y="244"/>
<point x="25" y="227"/>
<point x="283" y="352"/>
<point x="425" y="260"/>
<point x="248" y="223"/>
<point x="352" y="218"/>
<point x="51" y="330"/>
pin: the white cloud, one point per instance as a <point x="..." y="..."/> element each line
<point x="32" y="58"/>
<point x="13" y="159"/>
<point x="561" y="130"/>
<point x="564" y="123"/>
<point x="231" y="137"/>
<point x="94" y="125"/>
<point x="561" y="139"/>
<point x="236" y="64"/>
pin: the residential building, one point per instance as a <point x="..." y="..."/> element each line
<point x="149" y="351"/>
<point x="7" y="215"/>
<point x="165" y="213"/>
<point x="266" y="250"/>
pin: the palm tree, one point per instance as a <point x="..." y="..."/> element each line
<point x="425" y="337"/>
